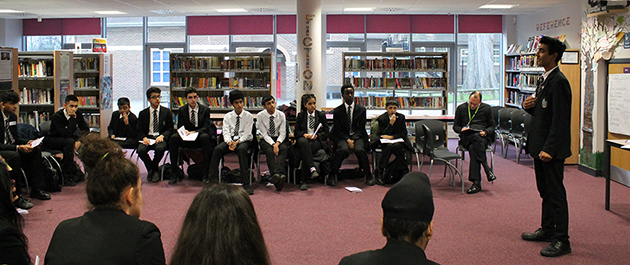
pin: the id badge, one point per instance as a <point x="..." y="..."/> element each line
<point x="544" y="103"/>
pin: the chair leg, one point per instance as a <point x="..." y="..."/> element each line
<point x="431" y="167"/>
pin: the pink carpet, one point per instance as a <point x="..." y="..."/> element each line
<point x="323" y="224"/>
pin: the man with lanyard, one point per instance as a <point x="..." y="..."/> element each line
<point x="475" y="126"/>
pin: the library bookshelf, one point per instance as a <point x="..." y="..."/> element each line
<point x="93" y="87"/>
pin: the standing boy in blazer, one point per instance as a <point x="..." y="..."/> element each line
<point x="549" y="143"/>
<point x="154" y="123"/>
<point x="348" y="134"/>
<point x="195" y="118"/>
<point x="124" y="124"/>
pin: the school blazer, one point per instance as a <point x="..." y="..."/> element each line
<point x="165" y="120"/>
<point x="204" y="124"/>
<point x="341" y="131"/>
<point x="301" y="127"/>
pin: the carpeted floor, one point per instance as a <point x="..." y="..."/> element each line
<point x="323" y="224"/>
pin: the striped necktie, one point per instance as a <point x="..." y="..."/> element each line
<point x="349" y="113"/>
<point x="272" y="127"/>
<point x="156" y="122"/>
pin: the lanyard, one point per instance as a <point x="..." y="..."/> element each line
<point x="473" y="116"/>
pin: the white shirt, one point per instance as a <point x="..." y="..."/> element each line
<point x="310" y="130"/>
<point x="546" y="74"/>
<point x="65" y="113"/>
<point x="151" y="110"/>
<point x="4" y="120"/>
<point x="262" y="123"/>
<point x="244" y="129"/>
<point x="196" y="109"/>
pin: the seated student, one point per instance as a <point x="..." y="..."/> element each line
<point x="18" y="152"/>
<point x="226" y="216"/>
<point x="272" y="126"/>
<point x="66" y="126"/>
<point x="124" y="124"/>
<point x="237" y="135"/>
<point x="13" y="248"/>
<point x="111" y="232"/>
<point x="407" y="224"/>
<point x="348" y="134"/>
<point x="195" y="118"/>
<point x="308" y="143"/>
<point x="392" y="125"/>
<point x="154" y="123"/>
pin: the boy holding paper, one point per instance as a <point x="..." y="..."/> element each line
<point x="195" y="119"/>
<point x="392" y="129"/>
<point x="19" y="153"/>
<point x="155" y="126"/>
<point x="272" y="125"/>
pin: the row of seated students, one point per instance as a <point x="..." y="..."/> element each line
<point x="111" y="232"/>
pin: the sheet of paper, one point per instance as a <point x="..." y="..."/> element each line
<point x="317" y="130"/>
<point x="37" y="142"/>
<point x="354" y="189"/>
<point x="388" y="141"/>
<point x="182" y="133"/>
<point x="151" y="141"/>
<point x="626" y="146"/>
<point x="120" y="138"/>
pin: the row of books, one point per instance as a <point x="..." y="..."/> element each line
<point x="34" y="118"/>
<point x="403" y="82"/>
<point x="87" y="82"/>
<point x="404" y="102"/>
<point x="85" y="63"/>
<point x="515" y="97"/>
<point x="521" y="80"/>
<point x="36" y="96"/>
<point x="353" y="64"/>
<point x="92" y="119"/>
<point x="524" y="62"/>
<point x="35" y="68"/>
<point x="218" y="63"/>
<point x="532" y="45"/>
<point x="217" y="83"/>
<point x="219" y="102"/>
<point x="90" y="101"/>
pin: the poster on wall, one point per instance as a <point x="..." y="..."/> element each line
<point x="106" y="93"/>
<point x="6" y="65"/>
<point x="618" y="98"/>
<point x="64" y="88"/>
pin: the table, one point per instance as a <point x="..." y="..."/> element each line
<point x="607" y="145"/>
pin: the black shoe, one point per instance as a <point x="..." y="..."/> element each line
<point x="23" y="203"/>
<point x="369" y="180"/>
<point x="79" y="175"/>
<point x="155" y="176"/>
<point x="281" y="182"/>
<point x="274" y="179"/>
<point x="314" y="174"/>
<point x="40" y="194"/>
<point x="304" y="186"/>
<point x="206" y="180"/>
<point x="539" y="235"/>
<point x="491" y="176"/>
<point x="332" y="180"/>
<point x="556" y="249"/>
<point x="174" y="177"/>
<point x="248" y="189"/>
<point x="476" y="187"/>
<point x="69" y="180"/>
<point x="150" y="175"/>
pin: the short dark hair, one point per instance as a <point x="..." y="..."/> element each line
<point x="9" y="96"/>
<point x="475" y="93"/>
<point x="235" y="95"/>
<point x="346" y="86"/>
<point x="404" y="229"/>
<point x="152" y="90"/>
<point x="123" y="101"/>
<point x="266" y="99"/>
<point x="190" y="90"/>
<point x="554" y="45"/>
<point x="391" y="101"/>
<point x="71" y="98"/>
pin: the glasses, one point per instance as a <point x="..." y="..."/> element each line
<point x="193" y="97"/>
<point x="154" y="97"/>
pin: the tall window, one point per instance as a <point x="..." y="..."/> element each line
<point x="160" y="67"/>
<point x="286" y="57"/>
<point x="479" y="66"/>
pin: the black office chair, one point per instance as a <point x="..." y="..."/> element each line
<point x="252" y="152"/>
<point x="505" y="127"/>
<point x="47" y="154"/>
<point x="430" y="139"/>
<point x="517" y="131"/>
<point x="495" y="115"/>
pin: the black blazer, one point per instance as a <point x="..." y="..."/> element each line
<point x="398" y="130"/>
<point x="341" y="131"/>
<point x="483" y="119"/>
<point x="301" y="127"/>
<point x="118" y="128"/>
<point x="12" y="248"/>
<point x="165" y="121"/>
<point x="61" y="127"/>
<point x="550" y="128"/>
<point x="13" y="132"/>
<point x="105" y="237"/>
<point x="204" y="124"/>
<point x="395" y="252"/>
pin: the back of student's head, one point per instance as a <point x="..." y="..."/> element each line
<point x="109" y="172"/>
<point x="71" y="98"/>
<point x="7" y="210"/>
<point x="221" y="227"/>
<point x="305" y="98"/>
<point x="9" y="96"/>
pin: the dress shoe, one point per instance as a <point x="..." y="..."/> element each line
<point x="304" y="186"/>
<point x="174" y="177"/>
<point x="491" y="176"/>
<point x="314" y="174"/>
<point x="23" y="203"/>
<point x="369" y="180"/>
<point x="280" y="184"/>
<point x="332" y="180"/>
<point x="150" y="175"/>
<point x="539" y="235"/>
<point x="40" y="194"/>
<point x="476" y="187"/>
<point x="155" y="176"/>
<point x="274" y="179"/>
<point x="248" y="189"/>
<point x="556" y="249"/>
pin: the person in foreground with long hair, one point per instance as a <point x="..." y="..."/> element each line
<point x="13" y="242"/>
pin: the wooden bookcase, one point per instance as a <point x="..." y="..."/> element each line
<point x="45" y="79"/>
<point x="214" y="75"/>
<point x="93" y="87"/>
<point x="418" y="80"/>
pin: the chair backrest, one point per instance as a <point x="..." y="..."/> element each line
<point x="44" y="128"/>
<point x="527" y="123"/>
<point x="518" y="122"/>
<point x="505" y="122"/>
<point x="430" y="140"/>
<point x="437" y="129"/>
<point x="495" y="115"/>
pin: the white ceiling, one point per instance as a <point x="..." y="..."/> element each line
<point x="139" y="8"/>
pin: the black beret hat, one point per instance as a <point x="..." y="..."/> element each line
<point x="410" y="199"/>
<point x="266" y="98"/>
<point x="235" y="95"/>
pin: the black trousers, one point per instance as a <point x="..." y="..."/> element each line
<point x="32" y="165"/>
<point x="203" y="141"/>
<point x="398" y="149"/>
<point x="343" y="151"/>
<point x="143" y="153"/>
<point x="129" y="143"/>
<point x="307" y="148"/>
<point x="66" y="145"/>
<point x="476" y="145"/>
<point x="276" y="164"/>
<point x="243" y="160"/>
<point x="555" y="209"/>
